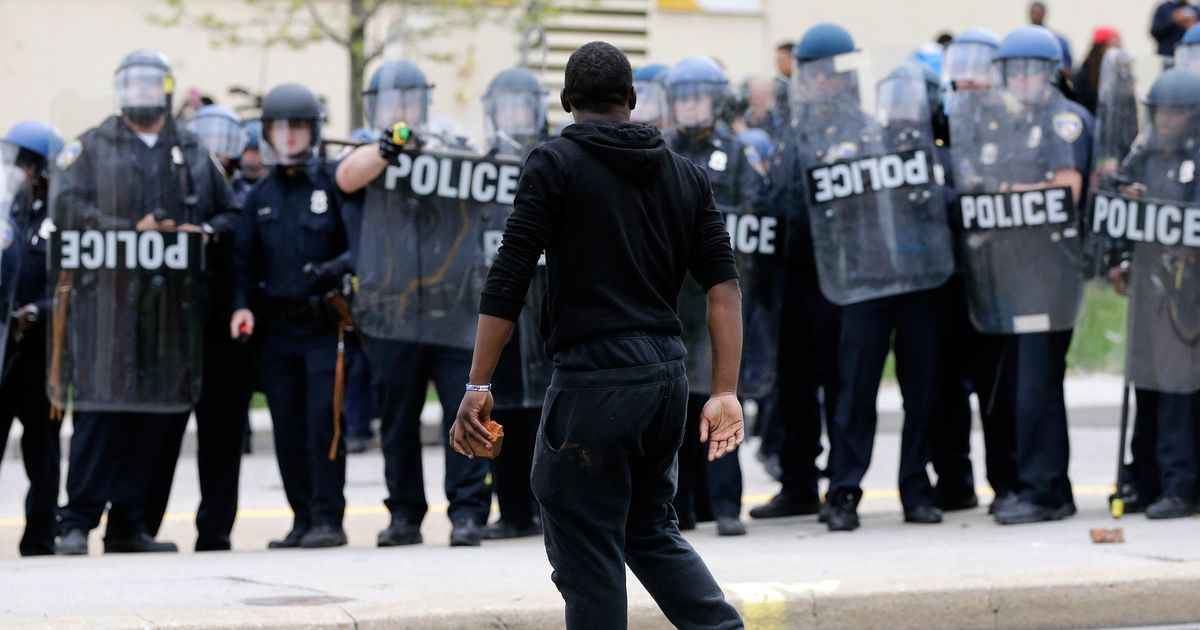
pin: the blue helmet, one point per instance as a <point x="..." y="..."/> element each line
<point x="37" y="137"/>
<point x="757" y="139"/>
<point x="396" y="88"/>
<point x="690" y="78"/>
<point x="822" y="41"/>
<point x="1176" y="86"/>
<point x="1191" y="37"/>
<point x="969" y="57"/>
<point x="651" y="72"/>
<point x="219" y="130"/>
<point x="977" y="36"/>
<point x="253" y="133"/>
<point x="1030" y="42"/>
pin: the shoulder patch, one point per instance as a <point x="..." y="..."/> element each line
<point x="69" y="154"/>
<point x="1068" y="126"/>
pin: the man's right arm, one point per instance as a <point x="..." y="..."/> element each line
<point x="360" y="168"/>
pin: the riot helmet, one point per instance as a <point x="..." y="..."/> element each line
<point x="37" y="144"/>
<point x="1173" y="105"/>
<point x="819" y="75"/>
<point x="514" y="110"/>
<point x="695" y="90"/>
<point x="143" y="84"/>
<point x="968" y="60"/>
<point x="398" y="92"/>
<point x="1187" y="53"/>
<point x="905" y="96"/>
<point x="648" y="81"/>
<point x="291" y="125"/>
<point x="220" y="131"/>
<point x="1028" y="64"/>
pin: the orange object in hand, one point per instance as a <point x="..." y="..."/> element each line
<point x="478" y="449"/>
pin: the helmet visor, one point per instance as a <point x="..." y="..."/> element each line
<point x="385" y="108"/>
<point x="1029" y="79"/>
<point x="902" y="99"/>
<point x="287" y="142"/>
<point x="651" y="99"/>
<point x="515" y="114"/>
<point x="1188" y="56"/>
<point x="141" y="86"/>
<point x="693" y="105"/>
<point x="220" y="135"/>
<point x="968" y="64"/>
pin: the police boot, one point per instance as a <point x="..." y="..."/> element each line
<point x="72" y="543"/>
<point x="503" y="530"/>
<point x="1026" y="511"/>
<point x="843" y="511"/>
<point x="291" y="541"/>
<point x="399" y="533"/>
<point x="323" y="536"/>
<point x="466" y="533"/>
<point x="782" y="505"/>
<point x="923" y="514"/>
<point x="730" y="526"/>
<point x="140" y="542"/>
<point x="953" y="501"/>
<point x="1170" y="507"/>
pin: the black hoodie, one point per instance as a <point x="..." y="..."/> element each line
<point x="621" y="219"/>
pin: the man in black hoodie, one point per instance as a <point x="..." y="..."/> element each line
<point x="620" y="219"/>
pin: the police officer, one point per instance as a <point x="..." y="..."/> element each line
<point x="1041" y="142"/>
<point x="123" y="457"/>
<point x="399" y="92"/>
<point x="651" y="106"/>
<point x="1162" y="167"/>
<point x="250" y="166"/>
<point x="32" y="145"/>
<point x="695" y="88"/>
<point x="224" y="407"/>
<point x="290" y="252"/>
<point x="970" y="358"/>
<point x="514" y="109"/>
<point x="806" y="387"/>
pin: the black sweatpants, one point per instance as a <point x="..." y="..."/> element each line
<point x="402" y="372"/>
<point x="707" y="490"/>
<point x="605" y="473"/>
<point x="23" y="396"/>
<point x="511" y="471"/>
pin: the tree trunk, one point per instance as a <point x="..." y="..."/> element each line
<point x="357" y="50"/>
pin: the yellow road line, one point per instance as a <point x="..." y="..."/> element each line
<point x="440" y="508"/>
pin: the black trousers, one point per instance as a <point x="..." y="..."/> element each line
<point x="359" y="404"/>
<point x="866" y="337"/>
<point x="707" y="490"/>
<point x="1039" y="415"/>
<point x="511" y="471"/>
<point x="113" y="462"/>
<point x="402" y="372"/>
<point x="807" y="383"/>
<point x="297" y="376"/>
<point x="605" y="472"/>
<point x="23" y="396"/>
<point x="977" y="363"/>
<point x="1142" y="470"/>
<point x="1175" y="444"/>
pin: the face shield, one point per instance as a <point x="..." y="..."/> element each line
<point x="514" y="118"/>
<point x="12" y="177"/>
<point x="824" y="82"/>
<point x="219" y="135"/>
<point x="1030" y="80"/>
<point x="968" y="65"/>
<point x="1188" y="56"/>
<point x="1173" y="126"/>
<point x="651" y="103"/>
<point x="141" y="93"/>
<point x="902" y="100"/>
<point x="387" y="107"/>
<point x="693" y="105"/>
<point x="287" y="142"/>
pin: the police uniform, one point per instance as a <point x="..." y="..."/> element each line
<point x="128" y="459"/>
<point x="23" y="380"/>
<point x="712" y="490"/>
<point x="291" y="219"/>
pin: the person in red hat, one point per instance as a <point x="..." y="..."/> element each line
<point x="1087" y="77"/>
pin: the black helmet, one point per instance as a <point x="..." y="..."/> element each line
<point x="143" y="84"/>
<point x="514" y="109"/>
<point x="394" y="82"/>
<point x="284" y="103"/>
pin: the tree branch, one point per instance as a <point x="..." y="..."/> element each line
<point x="323" y="25"/>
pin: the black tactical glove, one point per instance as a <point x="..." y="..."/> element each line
<point x="396" y="139"/>
<point x="327" y="276"/>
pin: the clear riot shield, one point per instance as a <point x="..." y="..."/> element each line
<point x="877" y="206"/>
<point x="1145" y="213"/>
<point x="13" y="239"/>
<point x="422" y="258"/>
<point x="1020" y="237"/>
<point x="126" y="330"/>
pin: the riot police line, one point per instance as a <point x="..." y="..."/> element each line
<point x="153" y="272"/>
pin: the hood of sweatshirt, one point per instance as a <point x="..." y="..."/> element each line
<point x="634" y="151"/>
